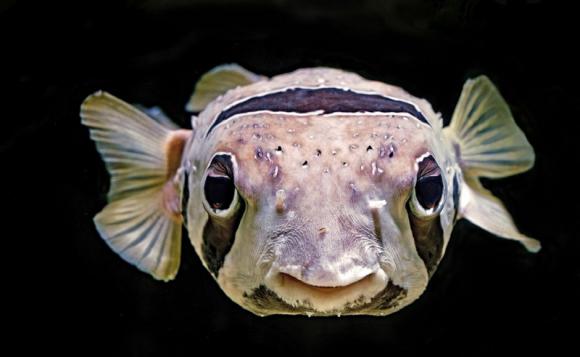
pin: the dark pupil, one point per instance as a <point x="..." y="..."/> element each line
<point x="219" y="192"/>
<point x="429" y="190"/>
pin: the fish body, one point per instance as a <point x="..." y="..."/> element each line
<point x="316" y="192"/>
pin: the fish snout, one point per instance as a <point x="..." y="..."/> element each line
<point x="339" y="274"/>
<point x="327" y="287"/>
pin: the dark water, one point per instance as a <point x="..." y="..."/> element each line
<point x="489" y="296"/>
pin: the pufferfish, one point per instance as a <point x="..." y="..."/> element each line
<point x="316" y="192"/>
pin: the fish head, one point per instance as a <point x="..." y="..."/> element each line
<point x="315" y="215"/>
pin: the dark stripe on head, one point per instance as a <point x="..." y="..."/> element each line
<point x="328" y="100"/>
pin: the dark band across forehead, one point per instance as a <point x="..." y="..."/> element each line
<point x="327" y="100"/>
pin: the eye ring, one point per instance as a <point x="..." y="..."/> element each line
<point x="220" y="196"/>
<point x="429" y="191"/>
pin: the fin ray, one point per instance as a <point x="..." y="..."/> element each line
<point x="489" y="141"/>
<point x="218" y="81"/>
<point x="482" y="208"/>
<point x="134" y="147"/>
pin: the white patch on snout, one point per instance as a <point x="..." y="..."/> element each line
<point x="376" y="204"/>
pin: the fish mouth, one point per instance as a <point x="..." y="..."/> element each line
<point x="292" y="293"/>
<point x="290" y="282"/>
<point x="264" y="301"/>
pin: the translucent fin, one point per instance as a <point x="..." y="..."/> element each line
<point x="142" y="222"/>
<point x="218" y="81"/>
<point x="489" y="142"/>
<point x="482" y="208"/>
<point x="157" y="114"/>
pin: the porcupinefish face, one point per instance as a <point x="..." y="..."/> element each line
<point x="316" y="192"/>
<point x="317" y="208"/>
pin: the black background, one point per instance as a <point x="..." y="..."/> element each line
<point x="70" y="292"/>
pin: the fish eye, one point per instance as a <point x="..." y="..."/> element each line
<point x="219" y="190"/>
<point x="429" y="188"/>
<point x="429" y="191"/>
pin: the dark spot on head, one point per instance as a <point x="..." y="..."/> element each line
<point x="305" y="163"/>
<point x="344" y="163"/>
<point x="369" y="148"/>
<point x="279" y="149"/>
<point x="318" y="152"/>
<point x="392" y="150"/>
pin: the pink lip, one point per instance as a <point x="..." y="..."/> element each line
<point x="289" y="281"/>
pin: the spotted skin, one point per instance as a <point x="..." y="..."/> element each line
<point x="309" y="152"/>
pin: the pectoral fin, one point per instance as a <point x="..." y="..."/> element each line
<point x="481" y="207"/>
<point x="486" y="138"/>
<point x="218" y="81"/>
<point x="488" y="143"/>
<point x="157" y="114"/>
<point x="142" y="222"/>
